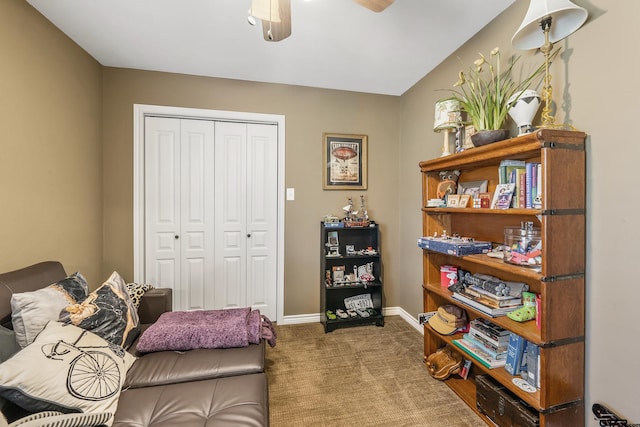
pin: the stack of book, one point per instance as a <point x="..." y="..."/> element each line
<point x="487" y="302"/>
<point x="527" y="179"/>
<point x="486" y="342"/>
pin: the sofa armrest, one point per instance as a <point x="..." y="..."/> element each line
<point x="153" y="303"/>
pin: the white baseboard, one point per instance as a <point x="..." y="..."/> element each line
<point x="388" y="311"/>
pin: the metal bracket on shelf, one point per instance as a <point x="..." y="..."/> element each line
<point x="564" y="341"/>
<point x="553" y="144"/>
<point x="563" y="212"/>
<point x="557" y="408"/>
<point x="562" y="277"/>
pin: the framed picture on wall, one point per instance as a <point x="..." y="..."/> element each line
<point x="344" y="159"/>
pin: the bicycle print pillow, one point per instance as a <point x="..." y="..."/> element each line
<point x="66" y="369"/>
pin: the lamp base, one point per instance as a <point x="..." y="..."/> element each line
<point x="445" y="144"/>
<point x="556" y="126"/>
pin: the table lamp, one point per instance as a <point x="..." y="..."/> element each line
<point x="447" y="117"/>
<point x="556" y="20"/>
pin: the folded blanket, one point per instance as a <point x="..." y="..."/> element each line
<point x="187" y="330"/>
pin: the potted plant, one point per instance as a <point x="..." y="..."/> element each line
<point x="485" y="95"/>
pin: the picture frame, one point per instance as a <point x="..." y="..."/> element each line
<point x="473" y="188"/>
<point x="332" y="238"/>
<point x="453" y="200"/>
<point x="485" y="200"/>
<point x="464" y="200"/>
<point x="344" y="159"/>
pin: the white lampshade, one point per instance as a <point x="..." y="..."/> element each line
<point x="447" y="115"/>
<point x="566" y="18"/>
<point x="260" y="9"/>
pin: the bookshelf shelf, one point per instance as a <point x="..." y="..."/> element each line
<point x="559" y="281"/>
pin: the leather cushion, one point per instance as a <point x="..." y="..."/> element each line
<point x="169" y="367"/>
<point x="232" y="401"/>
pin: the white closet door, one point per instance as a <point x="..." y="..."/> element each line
<point x="197" y="214"/>
<point x="162" y="203"/>
<point x="211" y="212"/>
<point x="246" y="216"/>
<point x="178" y="214"/>
<point x="262" y="212"/>
<point x="231" y="215"/>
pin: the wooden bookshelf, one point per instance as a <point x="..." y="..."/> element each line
<point x="559" y="281"/>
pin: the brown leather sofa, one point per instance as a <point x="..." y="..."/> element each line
<point x="204" y="387"/>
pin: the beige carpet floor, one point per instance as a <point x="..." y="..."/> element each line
<point x="362" y="376"/>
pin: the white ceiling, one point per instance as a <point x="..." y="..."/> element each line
<point x="335" y="44"/>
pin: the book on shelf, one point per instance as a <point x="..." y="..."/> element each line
<point x="493" y="345"/>
<point x="487" y="298"/>
<point x="517" y="177"/>
<point x="532" y="354"/>
<point x="496" y="332"/>
<point x="483" y="358"/>
<point x="537" y="196"/>
<point x="490" y="311"/>
<point x="483" y="347"/>
<point x="515" y="350"/>
<point x="506" y="167"/>
<point x="502" y="196"/>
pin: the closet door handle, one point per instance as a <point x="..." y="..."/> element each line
<point x="248" y="235"/>
<point x="176" y="237"/>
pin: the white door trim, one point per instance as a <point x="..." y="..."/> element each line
<point x="139" y="113"/>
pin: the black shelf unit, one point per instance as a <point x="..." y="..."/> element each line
<point x="332" y="294"/>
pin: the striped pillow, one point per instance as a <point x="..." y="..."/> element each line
<point x="58" y="419"/>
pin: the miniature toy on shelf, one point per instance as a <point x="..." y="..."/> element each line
<point x="454" y="245"/>
<point x="352" y="219"/>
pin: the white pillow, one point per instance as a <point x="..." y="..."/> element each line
<point x="66" y="369"/>
<point x="30" y="311"/>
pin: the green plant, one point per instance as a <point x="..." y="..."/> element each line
<point x="485" y="95"/>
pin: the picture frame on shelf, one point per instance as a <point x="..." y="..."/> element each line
<point x="485" y="200"/>
<point x="332" y="238"/>
<point x="344" y="159"/>
<point x="465" y="200"/>
<point x="473" y="188"/>
<point x="453" y="200"/>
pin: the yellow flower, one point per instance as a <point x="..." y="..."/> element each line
<point x="461" y="79"/>
<point x="480" y="61"/>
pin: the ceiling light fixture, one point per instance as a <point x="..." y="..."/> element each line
<point x="276" y="15"/>
<point x="566" y="18"/>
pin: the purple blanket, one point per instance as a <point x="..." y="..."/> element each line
<point x="187" y="330"/>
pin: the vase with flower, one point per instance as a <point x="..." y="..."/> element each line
<point x="487" y="91"/>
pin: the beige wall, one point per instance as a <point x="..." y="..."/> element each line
<point x="309" y="112"/>
<point x="51" y="169"/>
<point x="53" y="186"/>
<point x="596" y="80"/>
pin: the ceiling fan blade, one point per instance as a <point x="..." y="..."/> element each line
<point x="375" y="5"/>
<point x="276" y="31"/>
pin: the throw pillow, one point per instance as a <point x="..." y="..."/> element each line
<point x="108" y="312"/>
<point x="30" y="311"/>
<point x="66" y="369"/>
<point x="58" y="419"/>
<point x="136" y="291"/>
<point x="8" y="344"/>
